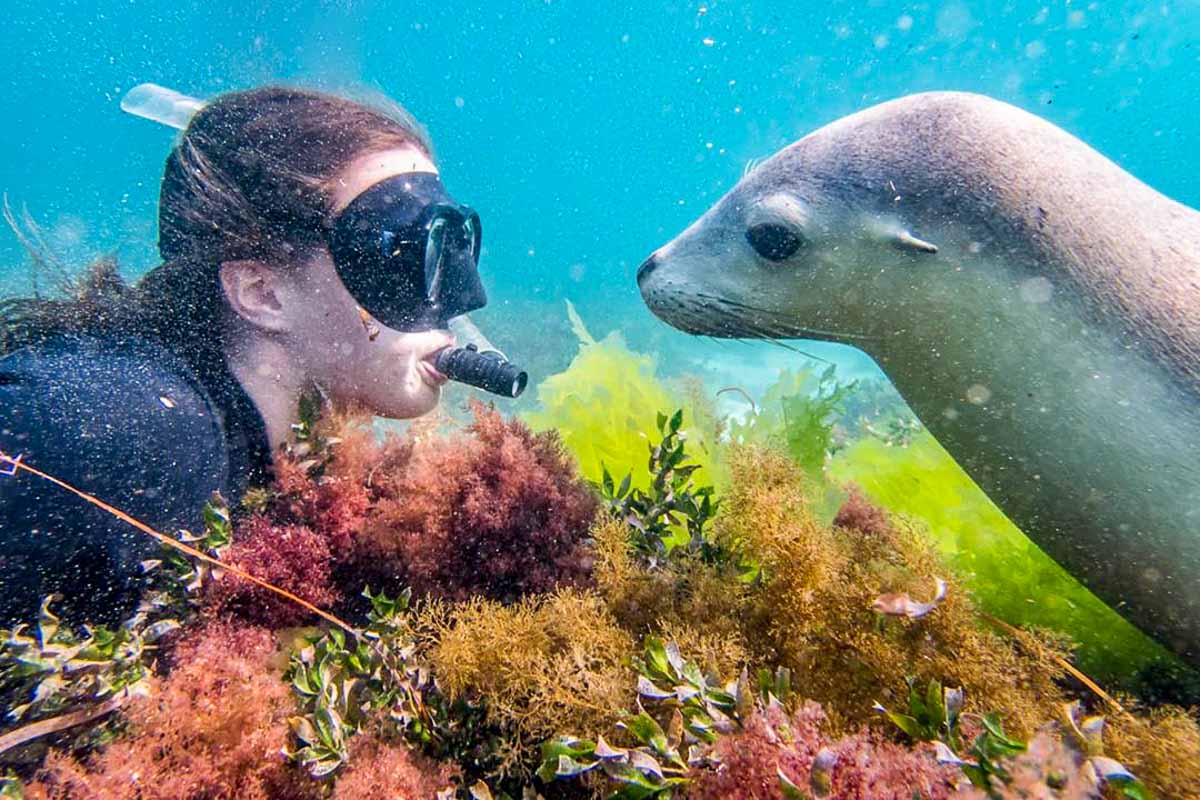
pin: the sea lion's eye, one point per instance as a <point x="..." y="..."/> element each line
<point x="773" y="241"/>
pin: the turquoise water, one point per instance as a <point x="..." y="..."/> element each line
<point x="586" y="134"/>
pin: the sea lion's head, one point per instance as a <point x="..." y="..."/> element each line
<point x="790" y="251"/>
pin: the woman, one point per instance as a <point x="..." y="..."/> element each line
<point x="307" y="241"/>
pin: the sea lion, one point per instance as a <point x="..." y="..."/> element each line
<point x="1037" y="306"/>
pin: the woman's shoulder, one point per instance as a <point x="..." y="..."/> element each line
<point x="123" y="409"/>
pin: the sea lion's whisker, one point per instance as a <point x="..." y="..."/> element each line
<point x="788" y="329"/>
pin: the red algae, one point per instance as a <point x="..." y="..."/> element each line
<point x="214" y="728"/>
<point x="381" y="769"/>
<point x="495" y="510"/>
<point x="864" y="766"/>
<point x="291" y="557"/>
<point x="860" y="514"/>
<point x="501" y="512"/>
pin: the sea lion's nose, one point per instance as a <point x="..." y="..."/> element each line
<point x="646" y="268"/>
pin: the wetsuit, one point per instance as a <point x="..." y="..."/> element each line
<point x="132" y="424"/>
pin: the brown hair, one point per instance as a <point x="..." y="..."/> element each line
<point x="248" y="179"/>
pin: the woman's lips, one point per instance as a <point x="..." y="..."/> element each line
<point x="429" y="372"/>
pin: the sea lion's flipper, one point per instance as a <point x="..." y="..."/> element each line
<point x="906" y="241"/>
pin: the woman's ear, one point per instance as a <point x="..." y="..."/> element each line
<point x="253" y="292"/>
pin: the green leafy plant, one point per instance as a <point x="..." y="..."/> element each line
<point x="896" y="430"/>
<point x="934" y="715"/>
<point x="705" y="710"/>
<point x="342" y="680"/>
<point x="309" y="447"/>
<point x="603" y="407"/>
<point x="1085" y="735"/>
<point x="52" y="669"/>
<point x="673" y="511"/>
<point x="697" y="712"/>
<point x="10" y="788"/>
<point x="347" y="680"/>
<point x="177" y="579"/>
<point x="798" y="413"/>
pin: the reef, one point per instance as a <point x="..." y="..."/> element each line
<point x="678" y="607"/>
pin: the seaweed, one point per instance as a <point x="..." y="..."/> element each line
<point x="683" y="594"/>
<point x="704" y="739"/>
<point x="862" y="433"/>
<point x="210" y="729"/>
<point x="382" y="768"/>
<point x="55" y="678"/>
<point x="796" y="415"/>
<point x="604" y="406"/>
<point x="325" y="482"/>
<point x="814" y="613"/>
<point x="934" y="715"/>
<point x="370" y="681"/>
<point x="493" y="509"/>
<point x="787" y="755"/>
<point x="1161" y="746"/>
<point x="500" y="512"/>
<point x="673" y="512"/>
<point x="292" y="557"/>
<point x="542" y="665"/>
<point x="1009" y="575"/>
<point x="531" y="606"/>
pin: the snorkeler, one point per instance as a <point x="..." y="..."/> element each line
<point x="307" y="243"/>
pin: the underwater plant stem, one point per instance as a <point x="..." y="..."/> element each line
<point x="17" y="464"/>
<point x="743" y="393"/>
<point x="35" y="730"/>
<point x="1062" y="662"/>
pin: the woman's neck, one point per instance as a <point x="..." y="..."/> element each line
<point x="272" y="380"/>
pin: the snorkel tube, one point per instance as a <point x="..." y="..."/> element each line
<point x="487" y="370"/>
<point x="478" y="363"/>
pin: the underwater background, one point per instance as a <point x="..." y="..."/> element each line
<point x="587" y="135"/>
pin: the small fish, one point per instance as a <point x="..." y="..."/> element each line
<point x="899" y="604"/>
<point x="368" y="324"/>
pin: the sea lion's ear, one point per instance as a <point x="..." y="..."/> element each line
<point x="906" y="241"/>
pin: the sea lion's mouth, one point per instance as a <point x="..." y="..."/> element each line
<point x="726" y="318"/>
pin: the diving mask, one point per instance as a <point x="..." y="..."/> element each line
<point x="408" y="253"/>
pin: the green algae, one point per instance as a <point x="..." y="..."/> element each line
<point x="1011" y="577"/>
<point x="605" y="406"/>
<point x="605" y="403"/>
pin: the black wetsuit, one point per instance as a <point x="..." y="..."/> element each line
<point x="132" y="424"/>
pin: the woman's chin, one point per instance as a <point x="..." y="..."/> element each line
<point x="416" y="404"/>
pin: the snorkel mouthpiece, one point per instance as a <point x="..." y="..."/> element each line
<point x="486" y="370"/>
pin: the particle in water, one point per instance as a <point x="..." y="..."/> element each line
<point x="978" y="394"/>
<point x="1036" y="290"/>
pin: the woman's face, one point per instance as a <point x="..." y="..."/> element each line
<point x="354" y="356"/>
